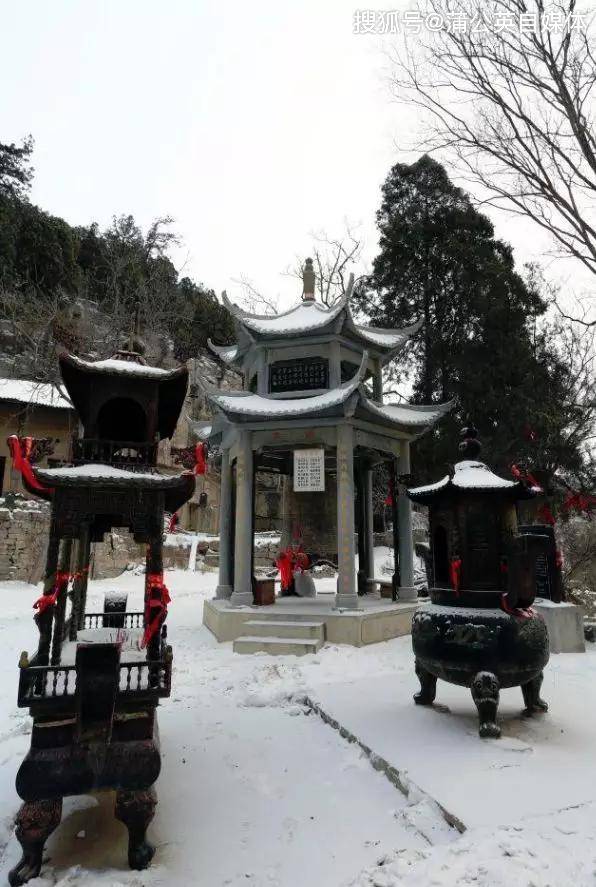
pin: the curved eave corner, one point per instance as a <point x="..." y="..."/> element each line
<point x="414" y="419"/>
<point x="389" y="342"/>
<point x="228" y="354"/>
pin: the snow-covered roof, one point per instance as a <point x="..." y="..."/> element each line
<point x="179" y="486"/>
<point x="410" y="415"/>
<point x="201" y="430"/>
<point x="469" y="475"/>
<point x="257" y="406"/>
<point x="310" y="317"/>
<point x="41" y="394"/>
<point x="227" y="353"/>
<point x="122" y="367"/>
<point x="304" y="317"/>
<point x="98" y="472"/>
<point x="243" y="406"/>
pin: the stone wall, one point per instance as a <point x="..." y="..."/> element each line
<point x="23" y="542"/>
<point x="24" y="528"/>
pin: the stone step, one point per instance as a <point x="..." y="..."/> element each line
<point x="277" y="646"/>
<point x="287" y="628"/>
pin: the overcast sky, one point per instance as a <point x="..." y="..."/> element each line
<point x="252" y="124"/>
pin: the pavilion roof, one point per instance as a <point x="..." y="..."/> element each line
<point x="309" y="318"/>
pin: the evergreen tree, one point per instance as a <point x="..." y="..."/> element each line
<point x="481" y="341"/>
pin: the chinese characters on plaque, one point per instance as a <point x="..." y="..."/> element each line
<point x="309" y="471"/>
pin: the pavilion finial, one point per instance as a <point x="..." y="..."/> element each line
<point x="308" y="278"/>
<point x="470" y="446"/>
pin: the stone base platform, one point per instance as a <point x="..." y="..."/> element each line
<point x="377" y="620"/>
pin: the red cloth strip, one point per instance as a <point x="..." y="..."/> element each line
<point x="60" y="584"/>
<point x="455" y="573"/>
<point x="20" y="451"/>
<point x="158" y="598"/>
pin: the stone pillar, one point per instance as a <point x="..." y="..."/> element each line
<point x="346" y="597"/>
<point x="243" y="543"/>
<point x="378" y="383"/>
<point x="263" y="373"/>
<point x="334" y="365"/>
<point x="362" y="574"/>
<point x="370" y="541"/>
<point x="224" y="587"/>
<point x="407" y="592"/>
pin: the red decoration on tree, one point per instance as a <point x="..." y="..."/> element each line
<point x="158" y="598"/>
<point x="525" y="477"/>
<point x="581" y="502"/>
<point x="20" y="451"/>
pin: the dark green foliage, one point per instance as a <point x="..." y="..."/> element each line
<point x="44" y="260"/>
<point x="482" y="341"/>
<point x="15" y="170"/>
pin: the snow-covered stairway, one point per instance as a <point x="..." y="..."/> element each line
<point x="281" y="637"/>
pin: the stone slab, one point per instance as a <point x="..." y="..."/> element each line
<point x="565" y="624"/>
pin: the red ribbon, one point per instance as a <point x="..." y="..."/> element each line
<point x="20" y="451"/>
<point x="518" y="612"/>
<point x="389" y="496"/>
<point x="174" y="520"/>
<point x="525" y="477"/>
<point x="455" y="573"/>
<point x="158" y="598"/>
<point x="201" y="458"/>
<point x="63" y="577"/>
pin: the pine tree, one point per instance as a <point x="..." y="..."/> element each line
<point x="482" y="341"/>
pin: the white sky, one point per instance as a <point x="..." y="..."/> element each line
<point x="252" y="124"/>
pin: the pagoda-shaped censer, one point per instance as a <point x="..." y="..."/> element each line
<point x="479" y="630"/>
<point x="95" y="681"/>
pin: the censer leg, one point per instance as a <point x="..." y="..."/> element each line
<point x="136" y="810"/>
<point x="531" y="694"/>
<point x="428" y="686"/>
<point x="36" y="820"/>
<point x="485" y="693"/>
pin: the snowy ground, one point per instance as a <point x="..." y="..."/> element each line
<point x="255" y="790"/>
